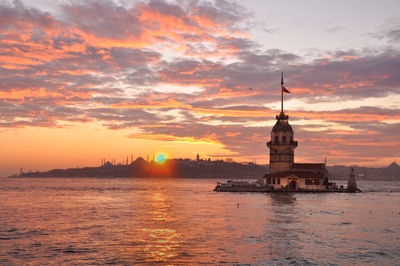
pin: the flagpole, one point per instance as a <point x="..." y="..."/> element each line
<point x="282" y="92"/>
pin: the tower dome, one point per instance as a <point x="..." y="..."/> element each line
<point x="282" y="124"/>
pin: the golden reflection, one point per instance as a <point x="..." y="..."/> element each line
<point x="160" y="208"/>
<point x="161" y="241"/>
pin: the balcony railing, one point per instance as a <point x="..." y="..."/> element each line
<point x="282" y="143"/>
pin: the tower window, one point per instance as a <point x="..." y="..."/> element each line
<point x="284" y="139"/>
<point x="291" y="138"/>
<point x="276" y="139"/>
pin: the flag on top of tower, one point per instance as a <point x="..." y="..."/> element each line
<point x="285" y="90"/>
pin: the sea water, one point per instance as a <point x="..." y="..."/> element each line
<point x="182" y="221"/>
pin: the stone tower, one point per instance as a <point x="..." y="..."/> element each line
<point x="282" y="145"/>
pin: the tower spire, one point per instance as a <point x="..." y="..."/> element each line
<point x="282" y="92"/>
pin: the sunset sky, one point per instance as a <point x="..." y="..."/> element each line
<point x="86" y="80"/>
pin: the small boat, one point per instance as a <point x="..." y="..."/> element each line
<point x="243" y="186"/>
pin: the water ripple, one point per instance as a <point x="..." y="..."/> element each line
<point x="175" y="221"/>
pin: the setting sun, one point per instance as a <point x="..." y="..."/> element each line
<point x="160" y="158"/>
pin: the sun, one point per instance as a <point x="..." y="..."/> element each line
<point x="160" y="158"/>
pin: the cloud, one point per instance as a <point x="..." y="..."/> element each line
<point x="363" y="144"/>
<point x="394" y="35"/>
<point x="20" y="17"/>
<point x="110" y="63"/>
<point x="390" y="31"/>
<point x="142" y="25"/>
<point x="334" y="29"/>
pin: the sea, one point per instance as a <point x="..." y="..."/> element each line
<point x="174" y="221"/>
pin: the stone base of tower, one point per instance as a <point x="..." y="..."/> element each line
<point x="275" y="167"/>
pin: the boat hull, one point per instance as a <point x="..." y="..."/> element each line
<point x="243" y="189"/>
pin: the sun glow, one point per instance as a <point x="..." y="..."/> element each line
<point x="160" y="158"/>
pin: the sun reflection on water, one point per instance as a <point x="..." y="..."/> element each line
<point x="161" y="244"/>
<point x="161" y="240"/>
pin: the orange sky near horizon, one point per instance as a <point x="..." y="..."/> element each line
<point x="83" y="145"/>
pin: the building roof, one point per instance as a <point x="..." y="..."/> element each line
<point x="308" y="166"/>
<point x="299" y="174"/>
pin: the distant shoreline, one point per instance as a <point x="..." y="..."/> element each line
<point x="202" y="169"/>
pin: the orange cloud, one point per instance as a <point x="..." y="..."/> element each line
<point x="27" y="93"/>
<point x="130" y="40"/>
<point x="58" y="96"/>
<point x="328" y="116"/>
<point x="18" y="60"/>
<point x="348" y="132"/>
<point x="160" y="126"/>
<point x="232" y="134"/>
<point x="350" y="57"/>
<point x="14" y="67"/>
<point x="75" y="72"/>
<point x="341" y="116"/>
<point x="164" y="137"/>
<point x="43" y="50"/>
<point x="226" y="92"/>
<point x="358" y="84"/>
<point x="231" y="113"/>
<point x="152" y="104"/>
<point x="302" y="90"/>
<point x="364" y="142"/>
